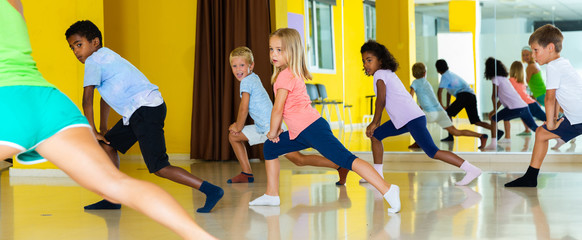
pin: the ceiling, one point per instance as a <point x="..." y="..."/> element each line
<point x="536" y="10"/>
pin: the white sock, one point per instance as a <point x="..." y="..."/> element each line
<point x="471" y="171"/>
<point x="393" y="198"/>
<point x="379" y="168"/>
<point x="266" y="200"/>
<point x="492" y="145"/>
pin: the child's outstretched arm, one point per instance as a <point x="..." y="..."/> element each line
<point x="380" y="103"/>
<point x="552" y="109"/>
<point x="277" y="115"/>
<point x="243" y="112"/>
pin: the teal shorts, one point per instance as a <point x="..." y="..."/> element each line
<point x="31" y="115"/>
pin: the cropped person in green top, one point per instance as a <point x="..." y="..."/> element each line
<point x="44" y="123"/>
<point x="533" y="76"/>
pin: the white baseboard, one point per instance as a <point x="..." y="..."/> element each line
<point x="31" y="172"/>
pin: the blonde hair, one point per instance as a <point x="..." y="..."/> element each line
<point x="294" y="53"/>
<point x="243" y="52"/>
<point x="516" y="71"/>
<point x="418" y="70"/>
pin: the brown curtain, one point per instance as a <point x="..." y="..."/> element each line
<point x="223" y="25"/>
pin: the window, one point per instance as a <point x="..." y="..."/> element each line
<point x="370" y="20"/>
<point x="320" y="45"/>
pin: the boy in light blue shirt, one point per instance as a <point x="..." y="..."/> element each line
<point x="123" y="87"/>
<point x="464" y="97"/>
<point x="256" y="102"/>
<point x="432" y="109"/>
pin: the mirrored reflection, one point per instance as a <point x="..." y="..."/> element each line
<point x="502" y="32"/>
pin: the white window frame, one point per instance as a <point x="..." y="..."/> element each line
<point x="312" y="63"/>
<point x="372" y="21"/>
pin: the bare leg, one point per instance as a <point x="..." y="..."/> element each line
<point x="449" y="158"/>
<point x="390" y="192"/>
<point x="366" y="171"/>
<point x="529" y="179"/>
<point x="271" y="196"/>
<point x="180" y="175"/>
<point x="237" y="143"/>
<point x="507" y="127"/>
<point x="493" y="128"/>
<point x="76" y="152"/>
<point x="484" y="125"/>
<point x="458" y="132"/>
<point x="112" y="153"/>
<point x="378" y="156"/>
<point x="300" y="159"/>
<point x="377" y="150"/>
<point x="7" y="152"/>
<point x="540" y="149"/>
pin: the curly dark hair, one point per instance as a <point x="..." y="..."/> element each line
<point x="494" y="67"/>
<point x="381" y="52"/>
<point x="85" y="28"/>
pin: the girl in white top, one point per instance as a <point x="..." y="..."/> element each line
<point x="515" y="107"/>
<point x="405" y="115"/>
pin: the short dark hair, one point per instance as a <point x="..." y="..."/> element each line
<point x="547" y="34"/>
<point x="85" y="28"/>
<point x="441" y="66"/>
<point x="381" y="52"/>
<point x="493" y="68"/>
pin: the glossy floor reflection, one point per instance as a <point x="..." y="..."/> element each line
<point x="355" y="140"/>
<point x="312" y="207"/>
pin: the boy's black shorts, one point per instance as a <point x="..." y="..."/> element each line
<point x="468" y="101"/>
<point x="146" y="126"/>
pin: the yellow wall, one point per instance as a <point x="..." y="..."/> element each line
<point x="158" y="38"/>
<point x="49" y="46"/>
<point x="162" y="50"/>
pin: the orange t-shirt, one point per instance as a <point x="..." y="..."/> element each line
<point x="520" y="88"/>
<point x="298" y="113"/>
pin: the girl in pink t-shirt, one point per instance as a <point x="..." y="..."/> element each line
<point x="306" y="127"/>
<point x="405" y="115"/>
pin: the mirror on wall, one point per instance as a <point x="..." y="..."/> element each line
<point x="502" y="31"/>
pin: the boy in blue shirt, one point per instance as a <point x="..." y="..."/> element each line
<point x="256" y="102"/>
<point x="563" y="89"/>
<point x="464" y="97"/>
<point x="123" y="87"/>
<point x="431" y="107"/>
